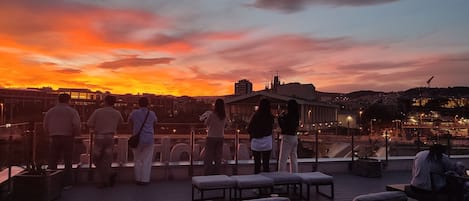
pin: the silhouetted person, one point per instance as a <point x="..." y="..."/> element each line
<point x="288" y="148"/>
<point x="431" y="161"/>
<point x="260" y="131"/>
<point x="62" y="123"/>
<point x="143" y="154"/>
<point x="104" y="121"/>
<point x="215" y="122"/>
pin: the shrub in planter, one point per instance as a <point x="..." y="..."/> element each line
<point x="39" y="185"/>
<point x="367" y="167"/>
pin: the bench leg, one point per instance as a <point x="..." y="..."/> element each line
<point x="331" y="196"/>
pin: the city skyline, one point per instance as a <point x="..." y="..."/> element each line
<point x="201" y="48"/>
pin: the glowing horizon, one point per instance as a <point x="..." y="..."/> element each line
<point x="201" y="48"/>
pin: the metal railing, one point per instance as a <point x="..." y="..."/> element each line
<point x="183" y="144"/>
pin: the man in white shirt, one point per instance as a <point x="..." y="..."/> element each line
<point x="104" y="121"/>
<point x="62" y="123"/>
<point x="425" y="164"/>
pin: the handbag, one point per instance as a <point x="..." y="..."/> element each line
<point x="135" y="139"/>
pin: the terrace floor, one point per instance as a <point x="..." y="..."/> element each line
<point x="347" y="186"/>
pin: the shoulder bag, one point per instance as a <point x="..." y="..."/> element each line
<point x="135" y="139"/>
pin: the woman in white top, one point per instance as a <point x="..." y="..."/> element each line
<point x="215" y="123"/>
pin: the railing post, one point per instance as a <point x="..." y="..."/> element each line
<point x="191" y="155"/>
<point x="235" y="171"/>
<point x="448" y="138"/>
<point x="34" y="145"/>
<point x="278" y="150"/>
<point x="90" y="171"/>
<point x="10" y="140"/>
<point x="316" y="166"/>
<point x="386" y="142"/>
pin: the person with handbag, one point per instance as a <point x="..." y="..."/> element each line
<point x="142" y="122"/>
<point x="104" y="122"/>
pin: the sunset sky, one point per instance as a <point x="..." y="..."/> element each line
<point x="202" y="47"/>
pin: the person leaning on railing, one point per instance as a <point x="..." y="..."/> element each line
<point x="104" y="121"/>
<point x="215" y="122"/>
<point x="288" y="148"/>
<point x="260" y="131"/>
<point x="62" y="123"/>
<point x="143" y="121"/>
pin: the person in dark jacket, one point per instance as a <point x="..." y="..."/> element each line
<point x="260" y="131"/>
<point x="288" y="148"/>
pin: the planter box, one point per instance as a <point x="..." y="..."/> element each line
<point x="46" y="187"/>
<point x="367" y="167"/>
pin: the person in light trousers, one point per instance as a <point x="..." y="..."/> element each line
<point x="143" y="154"/>
<point x="288" y="148"/>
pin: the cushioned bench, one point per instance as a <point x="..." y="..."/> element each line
<point x="317" y="179"/>
<point x="212" y="182"/>
<point x="416" y="195"/>
<point x="284" y="179"/>
<point x="271" y="199"/>
<point x="396" y="187"/>
<point x="255" y="181"/>
<point x="382" y="196"/>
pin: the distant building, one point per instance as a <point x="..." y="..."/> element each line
<point x="240" y="109"/>
<point x="295" y="89"/>
<point x="19" y="105"/>
<point x="243" y="87"/>
<point x="275" y="83"/>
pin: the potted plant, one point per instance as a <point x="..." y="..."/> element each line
<point x="37" y="183"/>
<point x="366" y="166"/>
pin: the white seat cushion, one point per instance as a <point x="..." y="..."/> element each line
<point x="313" y="178"/>
<point x="383" y="196"/>
<point x="271" y="199"/>
<point x="282" y="177"/>
<point x="252" y="181"/>
<point x="213" y="182"/>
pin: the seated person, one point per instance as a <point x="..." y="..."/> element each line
<point x="427" y="162"/>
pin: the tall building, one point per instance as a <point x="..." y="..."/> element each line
<point x="243" y="87"/>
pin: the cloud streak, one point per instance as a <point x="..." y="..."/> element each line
<point x="291" y="6"/>
<point x="134" y="62"/>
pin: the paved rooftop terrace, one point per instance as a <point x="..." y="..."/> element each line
<point x="347" y="186"/>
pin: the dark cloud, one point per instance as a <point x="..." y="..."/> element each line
<point x="164" y="39"/>
<point x="80" y="84"/>
<point x="135" y="62"/>
<point x="69" y="71"/>
<point x="290" y="6"/>
<point x="377" y="66"/>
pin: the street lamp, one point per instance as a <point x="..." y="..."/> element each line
<point x="349" y="118"/>
<point x="386" y="138"/>
<point x="371" y="126"/>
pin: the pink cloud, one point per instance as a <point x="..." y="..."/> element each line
<point x="134" y="62"/>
